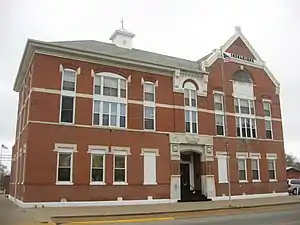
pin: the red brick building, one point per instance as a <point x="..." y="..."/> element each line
<point x="292" y="173"/>
<point x="99" y="123"/>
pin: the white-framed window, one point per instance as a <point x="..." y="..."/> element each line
<point x="246" y="127"/>
<point x="150" y="169"/>
<point x="255" y="169"/>
<point x="64" y="170"/>
<point x="149" y="118"/>
<point x="242" y="166"/>
<point x="190" y="105"/>
<point x="268" y="126"/>
<point x="245" y="118"/>
<point x="149" y="106"/>
<point x="244" y="106"/>
<point x="271" y="157"/>
<point x="149" y="91"/>
<point x="268" y="119"/>
<point x="120" y="165"/>
<point x="68" y="93"/>
<point x="97" y="172"/>
<point x="222" y="168"/>
<point x="220" y="128"/>
<point x="24" y="162"/>
<point x="110" y="100"/>
<point x="219" y="102"/>
<point x="267" y="108"/>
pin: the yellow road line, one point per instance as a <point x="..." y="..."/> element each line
<point x="122" y="221"/>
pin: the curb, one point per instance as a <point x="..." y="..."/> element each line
<point x="56" y="218"/>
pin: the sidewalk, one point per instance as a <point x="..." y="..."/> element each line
<point x="45" y="214"/>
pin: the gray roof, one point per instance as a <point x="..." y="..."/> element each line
<point x="132" y="54"/>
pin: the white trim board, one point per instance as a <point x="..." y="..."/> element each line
<point x="235" y="197"/>
<point x="89" y="203"/>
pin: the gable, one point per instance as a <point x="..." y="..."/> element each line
<point x="241" y="52"/>
<point x="239" y="47"/>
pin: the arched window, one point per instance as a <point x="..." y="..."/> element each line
<point x="244" y="104"/>
<point x="110" y="100"/>
<point x="242" y="76"/>
<point x="190" y="103"/>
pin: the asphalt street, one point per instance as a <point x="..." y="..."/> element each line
<point x="284" y="215"/>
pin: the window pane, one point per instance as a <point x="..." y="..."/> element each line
<point x="105" y="120"/>
<point x="268" y="124"/>
<point x="97" y="90"/>
<point x="114" y="108"/>
<point x="67" y="103"/>
<point x="149" y="97"/>
<point x="149" y="112"/>
<point x="65" y="159"/>
<point x="219" y="120"/>
<point x="120" y="175"/>
<point x="255" y="175"/>
<point x="120" y="161"/>
<point x="111" y="82"/>
<point x="194" y="116"/>
<point x="122" y="109"/>
<point x="187" y="127"/>
<point x="113" y="120"/>
<point x="69" y="78"/>
<point x="123" y="84"/>
<point x="68" y="86"/>
<point x="98" y="80"/>
<point x="149" y="124"/>
<point x="96" y="106"/>
<point x="241" y="164"/>
<point x="149" y="88"/>
<point x="123" y="93"/>
<point x="242" y="175"/>
<point x="220" y="130"/>
<point x="268" y="134"/>
<point x="272" y="175"/>
<point x="106" y="107"/>
<point x="67" y="109"/>
<point x="254" y="164"/>
<point x="236" y="105"/>
<point x="97" y="161"/>
<point x="96" y="119"/>
<point x="97" y="175"/>
<point x="271" y="164"/>
<point x="194" y="128"/>
<point x="122" y="121"/>
<point x="193" y="98"/>
<point x="187" y="116"/>
<point x="64" y="174"/>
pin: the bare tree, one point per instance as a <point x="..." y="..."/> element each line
<point x="292" y="161"/>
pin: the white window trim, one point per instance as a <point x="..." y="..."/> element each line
<point x="68" y="93"/>
<point x="154" y="117"/>
<point x="65" y="148"/>
<point x="110" y="99"/>
<point x="218" y="113"/>
<point x="97" y="150"/>
<point x="257" y="157"/>
<point x="272" y="156"/>
<point x="243" y="156"/>
<point x="149" y="104"/>
<point x="238" y="116"/>
<point x="150" y="150"/>
<point x="271" y="125"/>
<point x="125" y="151"/>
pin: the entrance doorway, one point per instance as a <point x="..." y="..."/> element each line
<point x="185" y="180"/>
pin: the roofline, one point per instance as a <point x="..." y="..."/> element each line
<point x="294" y="168"/>
<point x="33" y="45"/>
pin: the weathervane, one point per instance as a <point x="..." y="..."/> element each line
<point x="122" y="23"/>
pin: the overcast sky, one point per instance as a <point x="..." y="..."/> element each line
<point x="188" y="29"/>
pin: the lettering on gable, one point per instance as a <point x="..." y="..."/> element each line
<point x="236" y="56"/>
